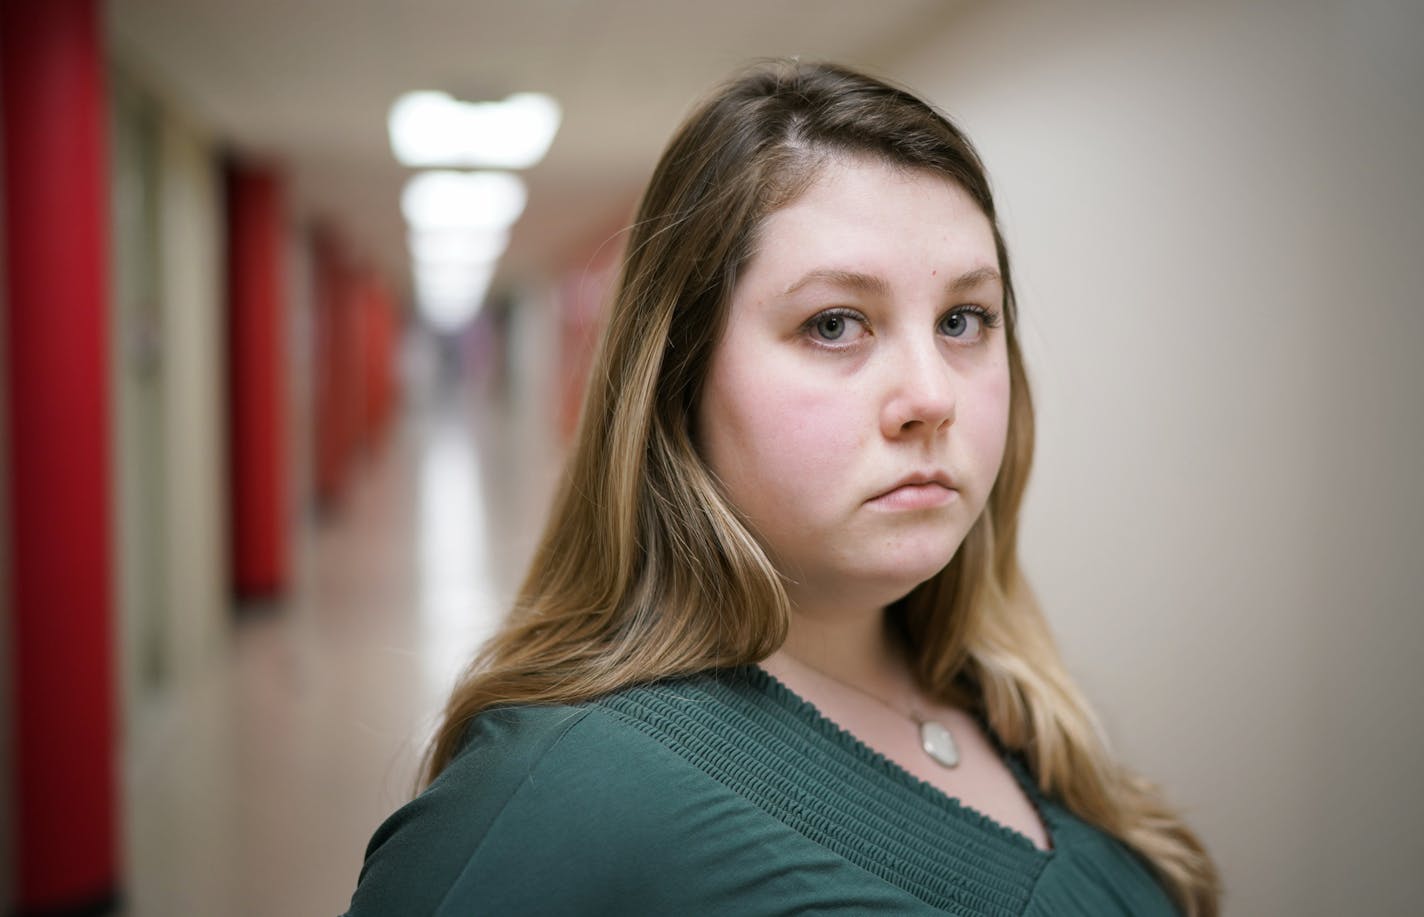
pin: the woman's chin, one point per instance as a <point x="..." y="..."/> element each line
<point x="913" y="566"/>
<point x="874" y="589"/>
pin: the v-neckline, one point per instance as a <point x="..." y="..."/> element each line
<point x="772" y="749"/>
<point x="784" y="694"/>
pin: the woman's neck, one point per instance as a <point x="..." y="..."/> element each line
<point x="860" y="650"/>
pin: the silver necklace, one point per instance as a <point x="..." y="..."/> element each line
<point x="935" y="738"/>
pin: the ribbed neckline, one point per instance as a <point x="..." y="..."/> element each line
<point x="753" y="734"/>
<point x="778" y="689"/>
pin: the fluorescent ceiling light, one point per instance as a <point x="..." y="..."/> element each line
<point x="451" y="284"/>
<point x="449" y="315"/>
<point x="488" y="201"/>
<point x="451" y="281"/>
<point x="462" y="246"/>
<point x="451" y="275"/>
<point x="447" y="302"/>
<point x="434" y="129"/>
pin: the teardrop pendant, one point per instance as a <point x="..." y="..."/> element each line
<point x="938" y="743"/>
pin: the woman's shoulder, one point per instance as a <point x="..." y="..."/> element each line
<point x="536" y="794"/>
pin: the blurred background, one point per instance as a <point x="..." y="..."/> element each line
<point x="285" y="392"/>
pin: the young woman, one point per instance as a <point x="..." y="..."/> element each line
<point x="775" y="653"/>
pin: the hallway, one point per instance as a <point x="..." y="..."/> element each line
<point x="227" y="293"/>
<point x="256" y="791"/>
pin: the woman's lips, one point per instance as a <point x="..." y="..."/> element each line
<point x="915" y="496"/>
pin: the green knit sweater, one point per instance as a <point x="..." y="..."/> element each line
<point x="723" y="793"/>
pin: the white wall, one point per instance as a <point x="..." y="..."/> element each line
<point x="170" y="408"/>
<point x="529" y="448"/>
<point x="138" y="459"/>
<point x="190" y="209"/>
<point x="1215" y="214"/>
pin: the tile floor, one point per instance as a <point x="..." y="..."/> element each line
<point x="255" y="792"/>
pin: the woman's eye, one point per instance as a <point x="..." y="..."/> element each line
<point x="954" y="323"/>
<point x="831" y="327"/>
<point x="834" y="326"/>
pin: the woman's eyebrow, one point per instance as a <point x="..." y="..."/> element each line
<point x="875" y="285"/>
<point x="975" y="278"/>
<point x="857" y="281"/>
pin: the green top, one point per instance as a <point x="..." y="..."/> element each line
<point x="723" y="793"/>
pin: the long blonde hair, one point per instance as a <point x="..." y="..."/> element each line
<point x="646" y="571"/>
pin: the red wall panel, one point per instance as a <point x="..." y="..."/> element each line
<point x="257" y="366"/>
<point x="57" y="388"/>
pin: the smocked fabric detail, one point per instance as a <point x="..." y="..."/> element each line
<point x="753" y="735"/>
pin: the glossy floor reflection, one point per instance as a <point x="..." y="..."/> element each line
<point x="255" y="790"/>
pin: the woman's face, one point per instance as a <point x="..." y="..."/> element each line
<point x="857" y="404"/>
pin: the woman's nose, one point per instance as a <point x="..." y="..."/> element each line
<point x="920" y="394"/>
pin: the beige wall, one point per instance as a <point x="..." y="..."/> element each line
<point x="195" y="406"/>
<point x="169" y="396"/>
<point x="1216" y="217"/>
<point x="136" y="397"/>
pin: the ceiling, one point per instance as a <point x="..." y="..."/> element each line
<point x="308" y="84"/>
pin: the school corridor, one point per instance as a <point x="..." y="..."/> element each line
<point x="298" y="300"/>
